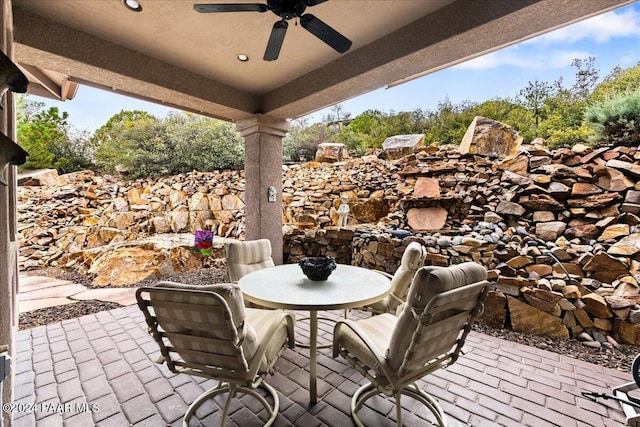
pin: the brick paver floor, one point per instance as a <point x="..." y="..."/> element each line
<point x="99" y="370"/>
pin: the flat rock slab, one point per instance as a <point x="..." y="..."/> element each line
<point x="423" y="219"/>
<point x="122" y="296"/>
<point x="26" y="306"/>
<point x="33" y="283"/>
<point x="52" y="292"/>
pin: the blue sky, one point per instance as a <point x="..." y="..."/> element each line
<point x="612" y="38"/>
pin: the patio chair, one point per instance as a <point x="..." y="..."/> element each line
<point x="206" y="331"/>
<point x="395" y="352"/>
<point x="412" y="259"/>
<point x="244" y="257"/>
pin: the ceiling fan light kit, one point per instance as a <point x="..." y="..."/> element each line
<point x="287" y="10"/>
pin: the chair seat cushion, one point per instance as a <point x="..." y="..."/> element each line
<point x="261" y="320"/>
<point x="378" y="329"/>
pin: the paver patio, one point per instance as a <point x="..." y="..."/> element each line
<point x="99" y="369"/>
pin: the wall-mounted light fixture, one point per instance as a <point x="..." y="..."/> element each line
<point x="271" y="194"/>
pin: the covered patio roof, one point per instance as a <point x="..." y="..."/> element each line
<point x="170" y="54"/>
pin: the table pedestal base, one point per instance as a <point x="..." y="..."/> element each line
<point x="313" y="356"/>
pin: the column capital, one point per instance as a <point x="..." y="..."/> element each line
<point x="261" y="123"/>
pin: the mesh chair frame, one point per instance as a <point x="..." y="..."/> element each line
<point x="467" y="301"/>
<point x="245" y="379"/>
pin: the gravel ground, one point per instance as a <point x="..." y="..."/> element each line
<point x="620" y="357"/>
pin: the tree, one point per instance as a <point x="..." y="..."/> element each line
<point x="586" y="77"/>
<point x="139" y="144"/>
<point x="562" y="115"/>
<point x="301" y="143"/>
<point x="75" y="152"/>
<point x="40" y="132"/>
<point x="444" y="125"/>
<point x="202" y="143"/>
<point x="112" y="142"/>
<point x="336" y="117"/>
<point x="533" y="97"/>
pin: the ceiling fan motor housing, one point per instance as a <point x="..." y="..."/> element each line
<point x="287" y="9"/>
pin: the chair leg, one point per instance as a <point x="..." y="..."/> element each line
<point x="367" y="391"/>
<point x="399" y="409"/>
<point x="272" y="411"/>
<point x="227" y="402"/>
<point x="358" y="400"/>
<point x="422" y="396"/>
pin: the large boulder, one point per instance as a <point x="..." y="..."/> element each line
<point x="490" y="138"/>
<point x="530" y="320"/>
<point x="44" y="177"/>
<point x="331" y="152"/>
<point x="370" y="210"/>
<point x="606" y="268"/>
<point x="126" y="266"/>
<point x="398" y="146"/>
<point x="127" y="263"/>
<point x="627" y="246"/>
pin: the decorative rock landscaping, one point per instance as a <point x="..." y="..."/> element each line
<point x="558" y="229"/>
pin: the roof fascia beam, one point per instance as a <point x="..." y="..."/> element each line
<point x="83" y="56"/>
<point x="457" y="32"/>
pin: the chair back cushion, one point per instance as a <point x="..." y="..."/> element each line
<point x="248" y="256"/>
<point x="205" y="324"/>
<point x="427" y="283"/>
<point x="412" y="259"/>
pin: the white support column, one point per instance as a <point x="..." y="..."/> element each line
<point x="8" y="223"/>
<point x="263" y="170"/>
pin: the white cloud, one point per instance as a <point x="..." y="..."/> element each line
<point x="630" y="59"/>
<point x="600" y="28"/>
<point x="524" y="58"/>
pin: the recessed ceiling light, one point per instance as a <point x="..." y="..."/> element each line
<point x="242" y="57"/>
<point x="133" y="5"/>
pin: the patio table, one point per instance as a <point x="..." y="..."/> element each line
<point x="286" y="287"/>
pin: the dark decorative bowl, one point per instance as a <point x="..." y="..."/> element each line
<point x="318" y="268"/>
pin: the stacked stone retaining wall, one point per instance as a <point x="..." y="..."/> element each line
<point x="558" y="230"/>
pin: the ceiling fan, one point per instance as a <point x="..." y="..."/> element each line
<point x="287" y="10"/>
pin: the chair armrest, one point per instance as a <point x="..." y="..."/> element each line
<point x="259" y="356"/>
<point x="384" y="273"/>
<point x="395" y="297"/>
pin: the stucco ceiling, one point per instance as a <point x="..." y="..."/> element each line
<point x="169" y="53"/>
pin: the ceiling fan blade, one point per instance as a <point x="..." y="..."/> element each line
<point x="230" y="7"/>
<point x="325" y="33"/>
<point x="310" y="3"/>
<point x="275" y="40"/>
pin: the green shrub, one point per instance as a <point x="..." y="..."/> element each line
<point x="616" y="120"/>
